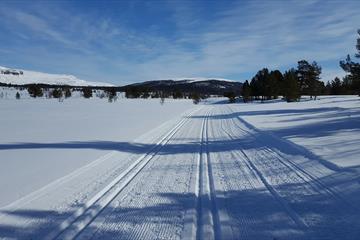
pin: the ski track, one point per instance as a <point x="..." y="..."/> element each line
<point x="208" y="226"/>
<point x="206" y="177"/>
<point x="280" y="173"/>
<point x="82" y="217"/>
<point x="170" y="179"/>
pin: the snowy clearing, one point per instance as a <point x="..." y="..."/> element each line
<point x="135" y="169"/>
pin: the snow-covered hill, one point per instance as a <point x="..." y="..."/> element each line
<point x="200" y="79"/>
<point x="216" y="86"/>
<point x="19" y="77"/>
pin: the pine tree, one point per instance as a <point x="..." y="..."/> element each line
<point x="308" y="77"/>
<point x="336" y="86"/>
<point x="291" y="86"/>
<point x="276" y="81"/>
<point x="246" y="91"/>
<point x="315" y="84"/>
<point x="353" y="69"/>
<point x="260" y="84"/>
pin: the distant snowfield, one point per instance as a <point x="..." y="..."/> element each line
<point x="135" y="169"/>
<point x="46" y="78"/>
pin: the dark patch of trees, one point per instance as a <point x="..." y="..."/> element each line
<point x="111" y="94"/>
<point x="246" y="91"/>
<point x="196" y="98"/>
<point x="267" y="85"/>
<point x="290" y="86"/>
<point x="353" y="70"/>
<point x="57" y="93"/>
<point x="87" y="92"/>
<point x="35" y="90"/>
<point x="178" y="90"/>
<point x="67" y="92"/>
<point x="231" y="96"/>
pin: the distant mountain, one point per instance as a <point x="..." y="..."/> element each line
<point x="201" y="85"/>
<point x="21" y="77"/>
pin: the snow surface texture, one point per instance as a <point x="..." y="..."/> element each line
<point x="213" y="171"/>
<point x="28" y="77"/>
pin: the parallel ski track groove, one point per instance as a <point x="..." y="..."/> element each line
<point x="208" y="224"/>
<point x="64" y="231"/>
<point x="307" y="177"/>
<point x="292" y="214"/>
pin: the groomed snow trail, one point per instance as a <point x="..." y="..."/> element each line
<point x="208" y="175"/>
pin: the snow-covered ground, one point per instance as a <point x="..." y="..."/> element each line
<point x="135" y="169"/>
<point x="329" y="127"/>
<point x="27" y="77"/>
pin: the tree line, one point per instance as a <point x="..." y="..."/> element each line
<point x="267" y="85"/>
<point x="304" y="80"/>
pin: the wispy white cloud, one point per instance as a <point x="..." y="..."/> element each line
<point x="233" y="41"/>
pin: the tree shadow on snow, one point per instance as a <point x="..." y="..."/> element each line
<point x="254" y="214"/>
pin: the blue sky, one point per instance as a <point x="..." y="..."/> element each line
<point x="129" y="41"/>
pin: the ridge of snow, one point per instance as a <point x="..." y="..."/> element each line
<point x="29" y="77"/>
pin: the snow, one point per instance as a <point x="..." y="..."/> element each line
<point x="136" y="169"/>
<point x="200" y="79"/>
<point x="328" y="127"/>
<point x="38" y="77"/>
<point x="68" y="135"/>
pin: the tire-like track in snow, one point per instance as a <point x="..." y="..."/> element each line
<point x="82" y="217"/>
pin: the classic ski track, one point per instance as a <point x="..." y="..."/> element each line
<point x="82" y="217"/>
<point x="208" y="223"/>
<point x="143" y="233"/>
<point x="291" y="213"/>
<point x="307" y="177"/>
